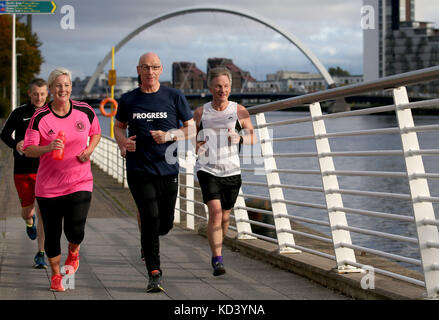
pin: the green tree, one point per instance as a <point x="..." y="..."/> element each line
<point x="338" y="72"/>
<point x="28" y="63"/>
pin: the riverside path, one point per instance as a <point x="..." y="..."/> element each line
<point x="111" y="268"/>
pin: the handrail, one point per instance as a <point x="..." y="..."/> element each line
<point x="393" y="81"/>
<point x="280" y="213"/>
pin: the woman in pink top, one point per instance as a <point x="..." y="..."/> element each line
<point x="63" y="187"/>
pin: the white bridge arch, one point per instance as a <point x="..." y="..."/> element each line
<point x="289" y="36"/>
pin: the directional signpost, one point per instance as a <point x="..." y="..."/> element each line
<point x="22" y="7"/>
<point x="27" y="7"/>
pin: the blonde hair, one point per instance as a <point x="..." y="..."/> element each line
<point x="58" y="72"/>
<point x="219" y="71"/>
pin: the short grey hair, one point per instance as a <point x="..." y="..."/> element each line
<point x="219" y="71"/>
<point x="58" y="72"/>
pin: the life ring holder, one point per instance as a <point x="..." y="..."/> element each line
<point x="102" y="105"/>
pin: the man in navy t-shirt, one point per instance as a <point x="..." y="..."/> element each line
<point x="152" y="114"/>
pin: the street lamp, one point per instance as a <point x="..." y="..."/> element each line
<point x="14" y="66"/>
<point x="18" y="102"/>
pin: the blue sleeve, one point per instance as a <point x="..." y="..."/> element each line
<point x="184" y="112"/>
<point x="122" y="111"/>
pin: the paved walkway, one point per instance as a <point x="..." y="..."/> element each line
<point x="110" y="265"/>
<point x="110" y="268"/>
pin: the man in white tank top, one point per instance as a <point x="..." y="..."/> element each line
<point x="222" y="125"/>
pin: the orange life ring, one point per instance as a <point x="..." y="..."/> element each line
<point x="102" y="105"/>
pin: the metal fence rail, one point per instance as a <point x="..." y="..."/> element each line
<point x="341" y="224"/>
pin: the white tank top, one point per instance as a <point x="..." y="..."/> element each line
<point x="221" y="159"/>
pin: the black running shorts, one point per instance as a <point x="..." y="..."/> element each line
<point x="225" y="189"/>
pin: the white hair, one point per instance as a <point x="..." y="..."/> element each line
<point x="58" y="72"/>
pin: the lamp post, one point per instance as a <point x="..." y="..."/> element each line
<point x="22" y="7"/>
<point x="14" y="65"/>
<point x="14" y="68"/>
<point x="18" y="102"/>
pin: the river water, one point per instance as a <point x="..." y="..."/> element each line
<point x="377" y="163"/>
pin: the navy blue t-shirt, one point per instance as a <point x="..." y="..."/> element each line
<point x="143" y="112"/>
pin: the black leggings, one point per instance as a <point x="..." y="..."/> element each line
<point x="155" y="197"/>
<point x="74" y="209"/>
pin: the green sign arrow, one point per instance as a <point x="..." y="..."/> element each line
<point x="27" y="7"/>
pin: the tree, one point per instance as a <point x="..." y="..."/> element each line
<point x="338" y="72"/>
<point x="28" y="63"/>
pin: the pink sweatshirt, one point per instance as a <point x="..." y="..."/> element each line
<point x="60" y="177"/>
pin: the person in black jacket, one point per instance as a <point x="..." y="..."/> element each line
<point x="25" y="169"/>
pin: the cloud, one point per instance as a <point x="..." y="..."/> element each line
<point x="330" y="29"/>
<point x="329" y="50"/>
<point x="427" y="10"/>
<point x="272" y="46"/>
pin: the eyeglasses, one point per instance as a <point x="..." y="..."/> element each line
<point x="145" y="67"/>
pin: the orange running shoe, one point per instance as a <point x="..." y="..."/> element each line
<point x="73" y="261"/>
<point x="56" y="283"/>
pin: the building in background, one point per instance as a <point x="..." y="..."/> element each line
<point x="186" y="75"/>
<point x="240" y="78"/>
<point x="397" y="43"/>
<point x="298" y="82"/>
<point x="101" y="89"/>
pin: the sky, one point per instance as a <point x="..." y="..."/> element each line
<point x="331" y="29"/>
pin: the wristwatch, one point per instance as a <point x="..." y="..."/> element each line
<point x="172" y="136"/>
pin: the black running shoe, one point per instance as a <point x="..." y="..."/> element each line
<point x="155" y="280"/>
<point x="218" y="269"/>
<point x="32" y="230"/>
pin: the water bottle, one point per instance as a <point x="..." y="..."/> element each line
<point x="58" y="154"/>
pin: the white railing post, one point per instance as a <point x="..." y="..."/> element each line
<point x="330" y="183"/>
<point x="241" y="218"/>
<point x="190" y="208"/>
<point x="102" y="154"/>
<point x="113" y="156"/>
<point x="120" y="168"/>
<point x="125" y="180"/>
<point x="282" y="224"/>
<point x="418" y="188"/>
<point x="107" y="166"/>
<point x="109" y="158"/>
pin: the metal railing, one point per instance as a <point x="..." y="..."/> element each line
<point x="327" y="198"/>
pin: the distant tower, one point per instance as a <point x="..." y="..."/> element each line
<point x="388" y="15"/>
<point x="398" y="43"/>
<point x="407" y="10"/>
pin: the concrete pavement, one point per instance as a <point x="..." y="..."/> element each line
<point x="110" y="265"/>
<point x="111" y="269"/>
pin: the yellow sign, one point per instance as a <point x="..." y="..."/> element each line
<point x="112" y="77"/>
